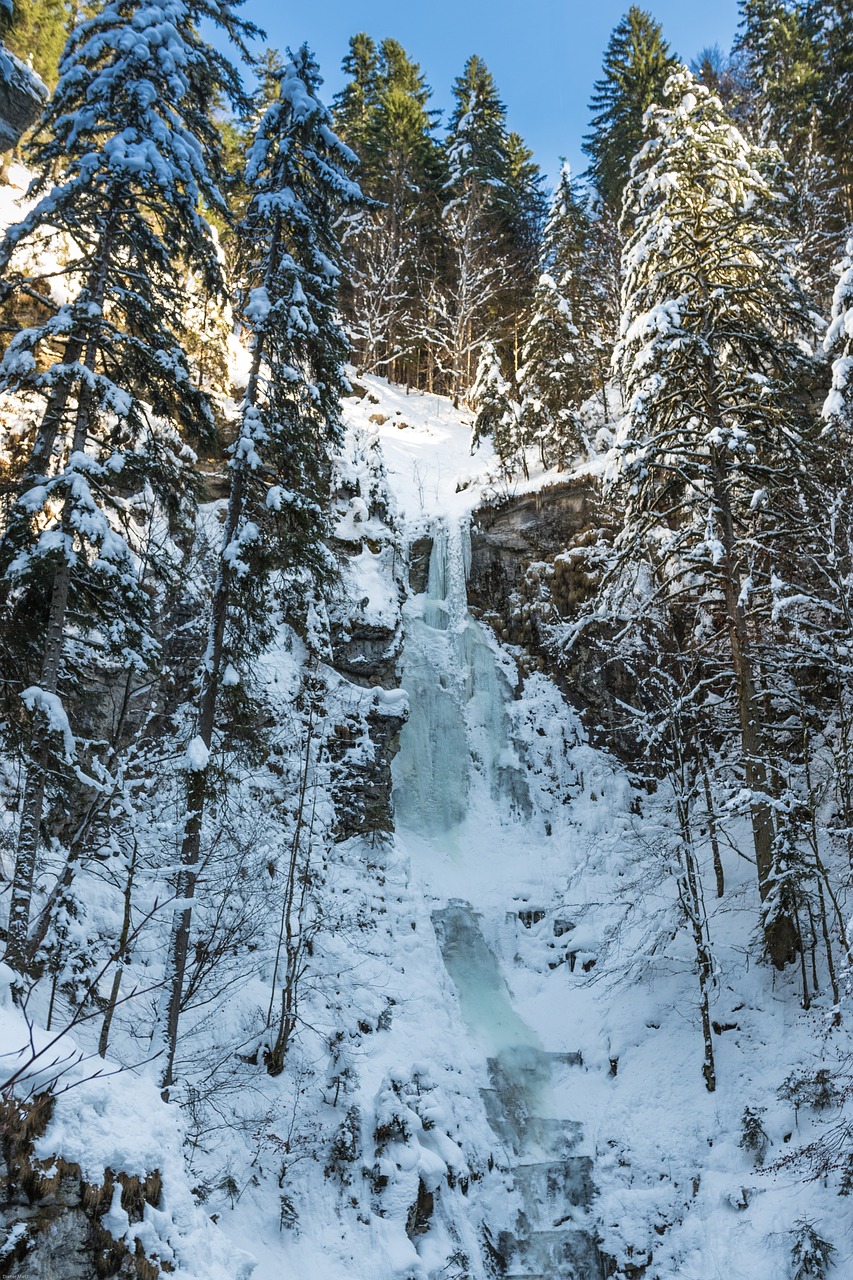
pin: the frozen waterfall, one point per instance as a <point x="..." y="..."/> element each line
<point x="458" y="735"/>
<point x="457" y="756"/>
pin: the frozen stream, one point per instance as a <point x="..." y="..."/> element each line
<point x="457" y="747"/>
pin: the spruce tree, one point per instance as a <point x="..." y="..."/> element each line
<point x="777" y="50"/>
<point x="130" y="132"/>
<point x="838" y="406"/>
<point x="831" y="21"/>
<point x="557" y="372"/>
<point x="798" y="73"/>
<point x="714" y="447"/>
<point x="394" y="244"/>
<point x="636" y="65"/>
<point x="290" y="424"/>
<point x="475" y="215"/>
<point x="477" y="135"/>
<point x="525" y="209"/>
<point x="497" y="412"/>
<point x="354" y="105"/>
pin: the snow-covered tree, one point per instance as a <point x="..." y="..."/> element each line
<point x="777" y="52"/>
<point x="290" y="423"/>
<point x="129" y="131"/>
<point x="384" y="115"/>
<point x="714" y="445"/>
<point x="497" y="411"/>
<point x="473" y="217"/>
<point x="833" y="24"/>
<point x="838" y="406"/>
<point x="798" y="79"/>
<point x="555" y="375"/>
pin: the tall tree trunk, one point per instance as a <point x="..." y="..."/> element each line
<point x="198" y="778"/>
<point x="781" y="933"/>
<point x="35" y="782"/>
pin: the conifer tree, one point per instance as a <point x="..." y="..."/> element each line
<point x="497" y="412"/>
<point x="636" y="64"/>
<point x="777" y="49"/>
<point x="290" y="423"/>
<point x="129" y="128"/>
<point x="36" y="31"/>
<point x="392" y="245"/>
<point x="353" y="106"/>
<point x="557" y="372"/>
<point x="525" y="211"/>
<point x="714" y="446"/>
<point x="474" y="217"/>
<point x="798" y="77"/>
<point x="838" y="406"/>
<point x="831" y="21"/>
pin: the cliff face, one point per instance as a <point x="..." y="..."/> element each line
<point x="22" y="96"/>
<point x="366" y="632"/>
<point x="58" y="1224"/>
<point x="521" y="583"/>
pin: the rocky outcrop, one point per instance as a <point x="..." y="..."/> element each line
<point x="22" y="97"/>
<point x="54" y="1225"/>
<point x="366" y="629"/>
<point x="525" y="586"/>
<point x="507" y="540"/>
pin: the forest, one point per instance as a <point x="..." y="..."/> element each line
<point x="426" y="658"/>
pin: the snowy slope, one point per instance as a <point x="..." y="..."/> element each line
<point x="676" y="1189"/>
<point x="499" y="1049"/>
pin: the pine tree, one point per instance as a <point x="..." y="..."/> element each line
<point x="36" y="31"/>
<point x="838" y="406"/>
<point x="475" y="215"/>
<point x="129" y="126"/>
<point x="714" y="447"/>
<point x="557" y="372"/>
<point x="636" y="64"/>
<point x="290" y="423"/>
<point x="269" y="71"/>
<point x="831" y="21"/>
<point x="497" y="412"/>
<point x="354" y="105"/>
<point x="777" y="50"/>
<point x="525" y="211"/>
<point x="477" y="135"/>
<point x="797" y="64"/>
<point x="393" y="245"/>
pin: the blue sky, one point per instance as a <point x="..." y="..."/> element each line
<point x="544" y="54"/>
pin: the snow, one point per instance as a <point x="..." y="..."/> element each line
<point x="106" y="1117"/>
<point x="198" y="753"/>
<point x="511" y="951"/>
<point x="673" y="1182"/>
<point x="51" y="708"/>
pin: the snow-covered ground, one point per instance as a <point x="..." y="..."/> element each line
<point x="675" y="1186"/>
<point x="515" y="944"/>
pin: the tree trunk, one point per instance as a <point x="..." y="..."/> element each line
<point x="198" y="778"/>
<point x="124" y="936"/>
<point x="35" y="782"/>
<point x="780" y="933"/>
<point x="197" y="784"/>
